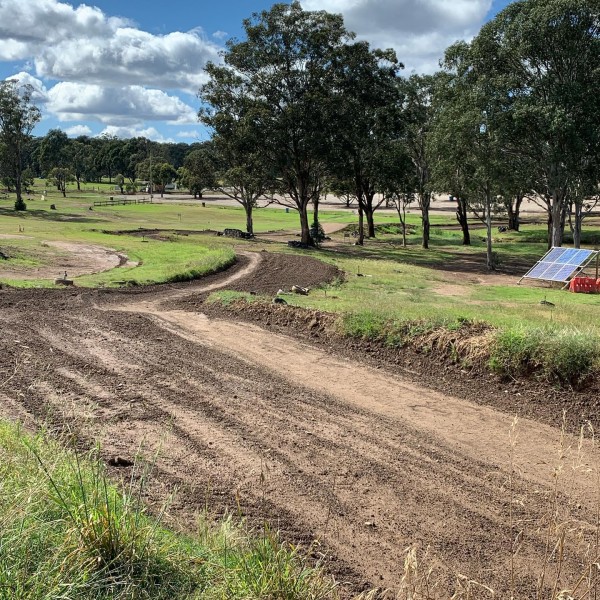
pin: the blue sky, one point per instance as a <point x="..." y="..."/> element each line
<point x="133" y="68"/>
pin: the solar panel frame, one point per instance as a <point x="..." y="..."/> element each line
<point x="560" y="264"/>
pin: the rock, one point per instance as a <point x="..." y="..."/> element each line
<point x="277" y="300"/>
<point x="314" y="323"/>
<point x="62" y="281"/>
<point x="300" y="290"/>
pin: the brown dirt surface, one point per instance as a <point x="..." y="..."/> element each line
<point x="313" y="437"/>
<point x="74" y="258"/>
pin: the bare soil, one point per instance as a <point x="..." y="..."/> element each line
<point x="353" y="453"/>
<point x="73" y="258"/>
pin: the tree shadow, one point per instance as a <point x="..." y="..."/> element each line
<point x="449" y="258"/>
<point x="48" y="216"/>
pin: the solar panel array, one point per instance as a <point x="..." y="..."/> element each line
<point x="560" y="264"/>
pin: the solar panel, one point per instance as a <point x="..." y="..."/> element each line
<point x="560" y="264"/>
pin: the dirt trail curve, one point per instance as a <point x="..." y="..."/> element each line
<point x="324" y="447"/>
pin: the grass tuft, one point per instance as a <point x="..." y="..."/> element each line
<point x="67" y="532"/>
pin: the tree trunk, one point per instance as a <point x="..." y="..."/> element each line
<point x="577" y="225"/>
<point x="558" y="214"/>
<point x="316" y="213"/>
<point x="370" y="223"/>
<point x="79" y="185"/>
<point x="425" y="203"/>
<point x="462" y="218"/>
<point x="488" y="227"/>
<point x="304" y="226"/>
<point x="514" y="213"/>
<point x="249" y="224"/>
<point x="361" y="227"/>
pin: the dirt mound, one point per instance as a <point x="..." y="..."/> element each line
<point x="282" y="271"/>
<point x="274" y="272"/>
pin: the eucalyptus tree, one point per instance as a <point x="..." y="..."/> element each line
<point x="244" y="171"/>
<point x="543" y="57"/>
<point x="367" y="119"/>
<point x="467" y="136"/>
<point x="56" y="159"/>
<point x="417" y="97"/>
<point x="18" y="117"/>
<point x="198" y="170"/>
<point x="284" y="71"/>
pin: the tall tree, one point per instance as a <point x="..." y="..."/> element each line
<point x="366" y="118"/>
<point x="467" y="137"/>
<point x="284" y="69"/>
<point x="544" y="59"/>
<point x="18" y="117"/>
<point x="418" y="91"/>
<point x="56" y="158"/>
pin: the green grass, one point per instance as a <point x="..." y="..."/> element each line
<point x="67" y="532"/>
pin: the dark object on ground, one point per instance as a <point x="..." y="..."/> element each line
<point x="296" y="244"/>
<point x="237" y="233"/>
<point x="119" y="461"/>
<point x="3" y="256"/>
<point x="502" y="229"/>
<point x="53" y="207"/>
<point x="278" y="300"/>
<point x="62" y="281"/>
<point x="546" y="302"/>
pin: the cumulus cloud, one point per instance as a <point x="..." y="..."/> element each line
<point x="78" y="130"/>
<point x="119" y="106"/>
<point x="419" y="30"/>
<point x="40" y="93"/>
<point x="85" y="45"/>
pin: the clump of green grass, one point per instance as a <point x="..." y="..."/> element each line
<point x="561" y="355"/>
<point x="67" y="532"/>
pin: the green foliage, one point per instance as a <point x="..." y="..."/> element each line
<point x="18" y="117"/>
<point x="566" y="356"/>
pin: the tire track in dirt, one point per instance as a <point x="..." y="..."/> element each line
<point x="322" y="447"/>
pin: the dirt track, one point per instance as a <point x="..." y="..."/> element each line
<point x="324" y="447"/>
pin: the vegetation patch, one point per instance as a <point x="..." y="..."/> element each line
<point x="67" y="532"/>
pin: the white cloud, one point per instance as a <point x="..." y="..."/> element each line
<point x="78" y="130"/>
<point x="119" y="106"/>
<point x="220" y="35"/>
<point x="192" y="135"/>
<point x="40" y="93"/>
<point x="419" y="30"/>
<point x="128" y="132"/>
<point x="85" y="45"/>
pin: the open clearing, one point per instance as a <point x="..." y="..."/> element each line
<point x="363" y="460"/>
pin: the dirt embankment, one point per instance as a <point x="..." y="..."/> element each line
<point x="356" y="461"/>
